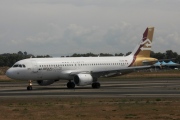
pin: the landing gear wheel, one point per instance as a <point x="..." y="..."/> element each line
<point x="70" y="85"/>
<point x="29" y="87"/>
<point x="96" y="85"/>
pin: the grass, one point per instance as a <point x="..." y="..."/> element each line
<point x="89" y="108"/>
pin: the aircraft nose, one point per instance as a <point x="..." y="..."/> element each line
<point x="9" y="73"/>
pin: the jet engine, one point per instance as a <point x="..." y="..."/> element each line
<point x="83" y="79"/>
<point x="46" y="82"/>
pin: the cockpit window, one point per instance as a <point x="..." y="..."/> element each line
<point x="16" y="65"/>
<point x="19" y="65"/>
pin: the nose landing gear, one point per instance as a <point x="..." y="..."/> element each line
<point x="29" y="87"/>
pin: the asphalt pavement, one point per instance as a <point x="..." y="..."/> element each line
<point x="109" y="88"/>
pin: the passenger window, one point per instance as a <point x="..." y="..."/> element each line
<point x="20" y="65"/>
<point x="24" y="66"/>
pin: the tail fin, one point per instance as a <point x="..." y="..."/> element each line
<point x="144" y="47"/>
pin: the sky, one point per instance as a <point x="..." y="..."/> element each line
<point x="64" y="27"/>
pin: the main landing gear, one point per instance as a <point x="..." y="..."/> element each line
<point x="96" y="85"/>
<point x="29" y="87"/>
<point x="71" y="85"/>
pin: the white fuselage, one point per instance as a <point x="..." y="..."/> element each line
<point x="64" y="68"/>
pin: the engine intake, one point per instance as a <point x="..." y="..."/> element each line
<point x="83" y="79"/>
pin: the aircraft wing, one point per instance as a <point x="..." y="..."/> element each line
<point x="128" y="68"/>
<point x="118" y="72"/>
<point x="111" y="72"/>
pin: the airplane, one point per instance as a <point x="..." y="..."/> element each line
<point x="81" y="71"/>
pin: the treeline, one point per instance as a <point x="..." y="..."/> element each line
<point x="166" y="56"/>
<point x="101" y="54"/>
<point x="9" y="59"/>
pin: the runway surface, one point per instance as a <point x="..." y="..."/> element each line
<point x="109" y="88"/>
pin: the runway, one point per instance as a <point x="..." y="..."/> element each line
<point x="109" y="88"/>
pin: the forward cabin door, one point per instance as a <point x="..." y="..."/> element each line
<point x="35" y="70"/>
<point x="34" y="67"/>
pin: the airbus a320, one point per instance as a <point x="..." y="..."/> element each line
<point x="81" y="71"/>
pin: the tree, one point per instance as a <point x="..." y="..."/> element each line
<point x="1" y="61"/>
<point x="128" y="53"/>
<point x="120" y="54"/>
<point x="8" y="59"/>
<point x="105" y="54"/>
<point x="158" y="55"/>
<point x="170" y="54"/>
<point x="20" y="53"/>
<point x="25" y="53"/>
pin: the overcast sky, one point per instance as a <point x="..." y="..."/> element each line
<point x="64" y="27"/>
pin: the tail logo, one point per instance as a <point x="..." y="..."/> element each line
<point x="147" y="43"/>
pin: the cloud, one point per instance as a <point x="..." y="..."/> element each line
<point x="60" y="27"/>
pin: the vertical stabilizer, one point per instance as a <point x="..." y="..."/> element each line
<point x="144" y="47"/>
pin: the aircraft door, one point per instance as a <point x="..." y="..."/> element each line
<point x="34" y="66"/>
<point x="35" y="70"/>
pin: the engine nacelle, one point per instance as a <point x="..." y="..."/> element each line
<point x="83" y="79"/>
<point x="45" y="82"/>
